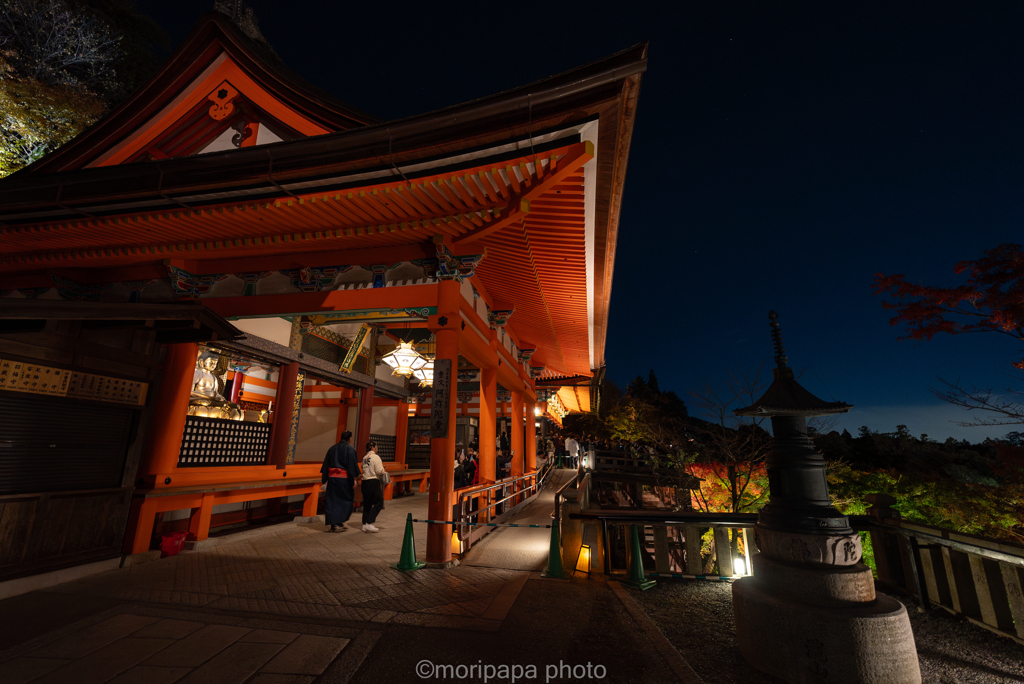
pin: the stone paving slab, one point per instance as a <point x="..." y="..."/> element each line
<point x="150" y="674"/>
<point x="25" y="669"/>
<point x="79" y="645"/>
<point x="106" y="663"/>
<point x="200" y="646"/>
<point x="308" y="655"/>
<point x="234" y="664"/>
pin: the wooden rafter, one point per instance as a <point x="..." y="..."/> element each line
<point x="519" y="204"/>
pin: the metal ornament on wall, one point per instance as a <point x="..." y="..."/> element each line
<point x="251" y="280"/>
<point x="498" y="318"/>
<point x="135" y="288"/>
<point x="447" y="266"/>
<point x="191" y="286"/>
<point x="308" y="279"/>
<point x="79" y="292"/>
<point x="380" y="272"/>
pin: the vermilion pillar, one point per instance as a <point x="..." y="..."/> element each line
<point x="531" y="436"/>
<point x="281" y="428"/>
<point x="346" y="395"/>
<point x="442" y="450"/>
<point x="517" y="433"/>
<point x="401" y="432"/>
<point x="163" y="444"/>
<point x="488" y="420"/>
<point x="365" y="420"/>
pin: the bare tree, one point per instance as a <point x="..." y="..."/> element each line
<point x="57" y="43"/>
<point x="1007" y="411"/>
<point x="731" y="450"/>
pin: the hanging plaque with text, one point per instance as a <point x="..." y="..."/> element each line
<point x="293" y="430"/>
<point x="440" y="398"/>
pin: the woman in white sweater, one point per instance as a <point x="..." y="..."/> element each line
<point x="373" y="489"/>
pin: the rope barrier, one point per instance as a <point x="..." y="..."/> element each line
<point x="702" y="577"/>
<point x="456" y="522"/>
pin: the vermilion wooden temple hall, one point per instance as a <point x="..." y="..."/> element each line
<point x="201" y="292"/>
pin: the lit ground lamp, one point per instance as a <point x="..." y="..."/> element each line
<point x="456" y="543"/>
<point x="583" y="560"/>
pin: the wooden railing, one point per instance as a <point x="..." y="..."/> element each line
<point x="495" y="502"/>
<point x="671" y="541"/>
<point x="977" y="577"/>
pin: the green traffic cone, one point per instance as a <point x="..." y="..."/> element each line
<point x="636" y="577"/>
<point x="407" y="561"/>
<point x="554" y="569"/>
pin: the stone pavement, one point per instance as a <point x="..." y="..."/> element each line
<point x="291" y="603"/>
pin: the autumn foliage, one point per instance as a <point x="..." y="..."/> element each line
<point x="992" y="299"/>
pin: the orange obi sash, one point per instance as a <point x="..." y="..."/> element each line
<point x="337" y="472"/>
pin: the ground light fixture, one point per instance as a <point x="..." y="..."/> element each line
<point x="739" y="566"/>
<point x="583" y="560"/>
<point x="404" y="360"/>
<point x="456" y="543"/>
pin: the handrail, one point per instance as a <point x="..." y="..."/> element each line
<point x="537" y="479"/>
<point x="560" y="493"/>
<point x="670" y="518"/>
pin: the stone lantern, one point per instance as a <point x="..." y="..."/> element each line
<point x="809" y="612"/>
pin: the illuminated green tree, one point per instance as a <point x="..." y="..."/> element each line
<point x="62" y="65"/>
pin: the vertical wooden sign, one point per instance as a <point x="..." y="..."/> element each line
<point x="293" y="432"/>
<point x="440" y="398"/>
<point x="353" y="351"/>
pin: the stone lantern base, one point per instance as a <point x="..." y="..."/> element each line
<point x="810" y="623"/>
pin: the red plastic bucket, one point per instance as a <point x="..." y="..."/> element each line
<point x="172" y="544"/>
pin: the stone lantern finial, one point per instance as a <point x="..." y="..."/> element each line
<point x="780" y="352"/>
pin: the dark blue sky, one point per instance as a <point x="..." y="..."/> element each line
<point x="783" y="154"/>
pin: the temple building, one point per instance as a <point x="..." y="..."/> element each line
<point x="200" y="293"/>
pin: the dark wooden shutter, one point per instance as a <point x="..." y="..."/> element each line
<point x="51" y="444"/>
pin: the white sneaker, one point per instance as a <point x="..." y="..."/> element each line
<point x="370" y="528"/>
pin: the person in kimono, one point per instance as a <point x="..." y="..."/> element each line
<point x="339" y="472"/>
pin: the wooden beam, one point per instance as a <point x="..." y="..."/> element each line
<point x="407" y="297"/>
<point x="517" y="208"/>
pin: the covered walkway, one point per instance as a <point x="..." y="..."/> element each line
<point x="290" y="602"/>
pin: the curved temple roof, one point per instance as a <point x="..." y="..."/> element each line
<point x="531" y="178"/>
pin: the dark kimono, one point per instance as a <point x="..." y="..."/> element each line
<point x="339" y="472"/>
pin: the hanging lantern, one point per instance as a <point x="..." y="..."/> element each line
<point x="425" y="373"/>
<point x="404" y="360"/>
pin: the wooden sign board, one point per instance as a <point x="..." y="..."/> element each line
<point x="293" y="430"/>
<point x="353" y="351"/>
<point x="440" y="398"/>
<point x="16" y="376"/>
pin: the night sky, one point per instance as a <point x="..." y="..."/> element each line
<point x="783" y="154"/>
